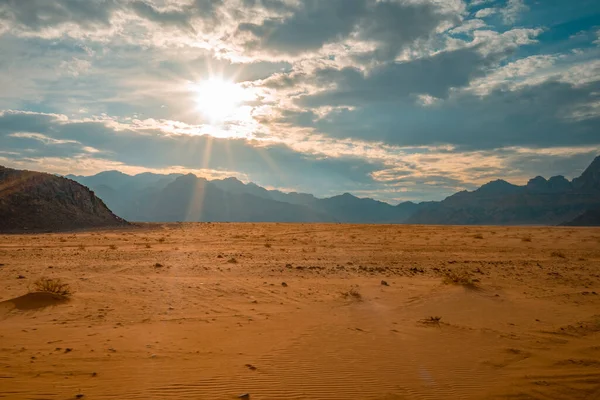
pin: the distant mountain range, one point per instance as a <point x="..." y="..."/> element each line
<point x="159" y="198"/>
<point x="176" y="197"/>
<point x="38" y="202"/>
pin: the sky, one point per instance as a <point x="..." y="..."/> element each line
<point x="391" y="99"/>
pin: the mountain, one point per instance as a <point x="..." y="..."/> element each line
<point x="588" y="218"/>
<point x="541" y="201"/>
<point x="189" y="198"/>
<point x="34" y="201"/>
<point x="154" y="198"/>
<point x="176" y="197"/>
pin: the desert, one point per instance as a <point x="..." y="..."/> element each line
<point x="302" y="311"/>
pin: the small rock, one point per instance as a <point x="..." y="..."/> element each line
<point x="79" y="396"/>
<point x="94" y="374"/>
<point x="68" y="350"/>
<point x="245" y="396"/>
<point x="20" y="277"/>
<point x="251" y="367"/>
<point x="284" y="284"/>
<point x="384" y="283"/>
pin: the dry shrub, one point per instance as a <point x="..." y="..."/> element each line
<point x="353" y="293"/>
<point x="526" y="239"/>
<point x="462" y="278"/>
<point x="52" y="285"/>
<point x="431" y="321"/>
<point x="112" y="247"/>
<point x="161" y="240"/>
<point x="478" y="236"/>
<point x="558" y="254"/>
<point x="268" y="245"/>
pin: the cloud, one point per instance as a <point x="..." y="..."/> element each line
<point x="366" y="96"/>
<point x="513" y="10"/>
<point x="35" y="135"/>
<point x="485" y="12"/>
<point x="40" y="14"/>
<point x="313" y="24"/>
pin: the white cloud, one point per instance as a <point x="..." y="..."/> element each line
<point x="485" y="12"/>
<point x="513" y="10"/>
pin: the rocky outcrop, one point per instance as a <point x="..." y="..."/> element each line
<point x="38" y="202"/>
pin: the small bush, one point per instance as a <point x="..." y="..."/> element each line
<point x="232" y="260"/>
<point x="161" y="240"/>
<point x="431" y="321"/>
<point x="526" y="239"/>
<point x="52" y="285"/>
<point x="112" y="247"/>
<point x="462" y="278"/>
<point x="478" y="236"/>
<point x="268" y="245"/>
<point x="353" y="293"/>
<point x="558" y="254"/>
<point x="148" y="246"/>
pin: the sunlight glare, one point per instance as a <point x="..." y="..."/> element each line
<point x="218" y="99"/>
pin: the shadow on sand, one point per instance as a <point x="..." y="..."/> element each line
<point x="33" y="301"/>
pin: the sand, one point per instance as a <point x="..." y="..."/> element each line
<point x="200" y="311"/>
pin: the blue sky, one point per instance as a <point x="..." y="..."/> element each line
<point x="391" y="99"/>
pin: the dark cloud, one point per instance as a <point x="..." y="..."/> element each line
<point x="170" y="17"/>
<point x="39" y="14"/>
<point x="315" y="23"/>
<point x="535" y="116"/>
<point x="434" y="75"/>
<point x="392" y="25"/>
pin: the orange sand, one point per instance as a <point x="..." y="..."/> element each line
<point x="212" y="319"/>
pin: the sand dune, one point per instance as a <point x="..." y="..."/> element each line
<point x="200" y="311"/>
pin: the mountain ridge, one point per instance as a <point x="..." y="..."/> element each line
<point x="541" y="201"/>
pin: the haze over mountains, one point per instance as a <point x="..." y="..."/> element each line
<point x="160" y="198"/>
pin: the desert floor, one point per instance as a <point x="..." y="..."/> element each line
<point x="214" y="311"/>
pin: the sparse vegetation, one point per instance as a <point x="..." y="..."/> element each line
<point x="232" y="260"/>
<point x="52" y="285"/>
<point x="478" y="236"/>
<point x="112" y="247"/>
<point x="558" y="254"/>
<point x="148" y="246"/>
<point x="526" y="239"/>
<point x="353" y="294"/>
<point x="431" y="320"/>
<point x="268" y="245"/>
<point x="161" y="240"/>
<point x="462" y="278"/>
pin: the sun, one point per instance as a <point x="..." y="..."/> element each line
<point x="218" y="99"/>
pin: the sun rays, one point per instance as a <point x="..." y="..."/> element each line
<point x="220" y="100"/>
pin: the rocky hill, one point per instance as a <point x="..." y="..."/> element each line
<point x="540" y="202"/>
<point x="38" y="202"/>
